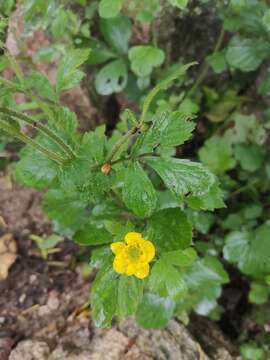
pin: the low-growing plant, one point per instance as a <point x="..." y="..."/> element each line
<point x="146" y="214"/>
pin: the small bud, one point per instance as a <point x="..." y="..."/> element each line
<point x="106" y="168"/>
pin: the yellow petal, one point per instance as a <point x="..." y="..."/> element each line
<point x="130" y="269"/>
<point x="117" y="247"/>
<point x="133" y="237"/>
<point x="119" y="264"/>
<point x="149" y="249"/>
<point x="142" y="272"/>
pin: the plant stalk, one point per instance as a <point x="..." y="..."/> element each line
<point x="27" y="140"/>
<point x="42" y="128"/>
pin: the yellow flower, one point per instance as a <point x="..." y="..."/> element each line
<point x="133" y="255"/>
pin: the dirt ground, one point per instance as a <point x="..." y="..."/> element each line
<point x="43" y="312"/>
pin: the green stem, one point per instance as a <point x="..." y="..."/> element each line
<point x="42" y="128"/>
<point x="27" y="140"/>
<point x="121" y="142"/>
<point x="206" y="66"/>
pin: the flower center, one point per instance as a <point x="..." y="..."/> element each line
<point x="133" y="253"/>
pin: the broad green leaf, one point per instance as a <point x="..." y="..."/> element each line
<point x="203" y="279"/>
<point x="109" y="8"/>
<point x="154" y="312"/>
<point x="100" y="256"/>
<point x="266" y="19"/>
<point x="40" y="84"/>
<point x="144" y="58"/>
<point x="166" y="280"/>
<point x="130" y="293"/>
<point x="182" y="258"/>
<point x="216" y="153"/>
<point x="210" y="201"/>
<point x="177" y="131"/>
<point x="182" y="176"/>
<point x="181" y="4"/>
<point x="166" y="131"/>
<point x="206" y="272"/>
<point x="246" y="18"/>
<point x="59" y="24"/>
<point x="65" y="208"/>
<point x="217" y="61"/>
<point x="117" y="33"/>
<point x="104" y="297"/>
<point x="34" y="169"/>
<point x="100" y="53"/>
<point x="258" y="293"/>
<point x="202" y="221"/>
<point x="68" y="74"/>
<point x="138" y="192"/>
<point x="247" y="54"/>
<point x="112" y="78"/>
<point x="93" y="145"/>
<point x="236" y="246"/>
<point x="169" y="229"/>
<point x="251" y="351"/>
<point x="90" y="235"/>
<point x="118" y="229"/>
<point x="250" y="250"/>
<point x="249" y="156"/>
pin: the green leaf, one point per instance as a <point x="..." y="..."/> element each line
<point x="210" y="201"/>
<point x="166" y="280"/>
<point x="205" y="272"/>
<point x="90" y="235"/>
<point x="65" y="208"/>
<point x="144" y="58"/>
<point x="266" y="19"/>
<point x="109" y="8"/>
<point x="130" y="293"/>
<point x="169" y="229"/>
<point x="247" y="54"/>
<point x="93" y="145"/>
<point x="100" y="256"/>
<point x="182" y="176"/>
<point x="249" y="156"/>
<point x="166" y="131"/>
<point x="138" y="192"/>
<point x="182" y="258"/>
<point x="59" y="24"/>
<point x="250" y="250"/>
<point x="216" y="153"/>
<point x="217" y="61"/>
<point x="99" y="53"/>
<point x="117" y="33"/>
<point x="41" y="85"/>
<point x="258" y="293"/>
<point x="104" y="297"/>
<point x="68" y="74"/>
<point x="251" y="351"/>
<point x="154" y="312"/>
<point x="202" y="221"/>
<point x="203" y="279"/>
<point x="181" y="4"/>
<point x="112" y="78"/>
<point x="34" y="169"/>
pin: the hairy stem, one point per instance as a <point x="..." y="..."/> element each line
<point x="120" y="143"/>
<point x="27" y="140"/>
<point x="42" y="128"/>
